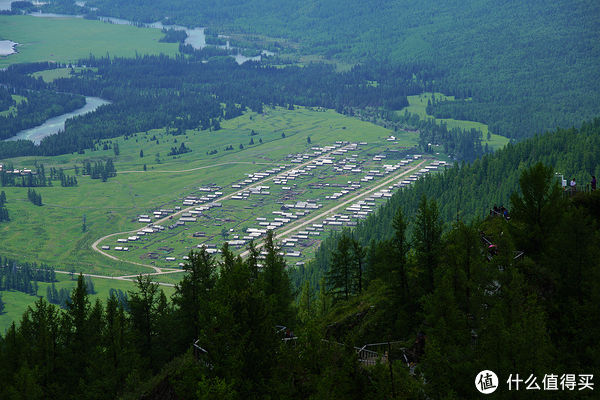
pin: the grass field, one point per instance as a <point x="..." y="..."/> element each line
<point x="418" y="105"/>
<point x="12" y="109"/>
<point x="53" y="233"/>
<point x="69" y="39"/>
<point x="17" y="302"/>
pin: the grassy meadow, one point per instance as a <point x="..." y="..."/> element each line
<point x="17" y="302"/>
<point x="418" y="105"/>
<point x="54" y="232"/>
<point x="69" y="39"/>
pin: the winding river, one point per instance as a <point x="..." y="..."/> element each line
<point x="56" y="124"/>
<point x="7" y="47"/>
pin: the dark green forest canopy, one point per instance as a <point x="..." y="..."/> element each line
<point x="471" y="190"/>
<point x="528" y="66"/>
<point x="186" y="93"/>
<point x="481" y="309"/>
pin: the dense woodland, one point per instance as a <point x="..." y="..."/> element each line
<point x="449" y="302"/>
<point x="527" y="67"/>
<point x="180" y="94"/>
<point x="34" y="109"/>
<point x="23" y="277"/>
<point x="444" y="285"/>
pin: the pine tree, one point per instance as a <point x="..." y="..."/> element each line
<point x="401" y="247"/>
<point x="339" y="277"/>
<point x="427" y="241"/>
<point x="276" y="283"/>
<point x="143" y="303"/>
<point x="358" y="257"/>
<point x="192" y="295"/>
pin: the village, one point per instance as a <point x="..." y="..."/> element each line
<point x="302" y="200"/>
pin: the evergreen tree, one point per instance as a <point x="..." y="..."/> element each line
<point x="427" y="241"/>
<point x="81" y="338"/>
<point x="143" y="303"/>
<point x="537" y="210"/>
<point x="358" y="257"/>
<point x="192" y="295"/>
<point x="340" y="276"/>
<point x="399" y="275"/>
<point x="276" y="283"/>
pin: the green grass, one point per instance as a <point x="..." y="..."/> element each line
<point x="418" y="105"/>
<point x="53" y="233"/>
<point x="69" y="39"/>
<point x="17" y="302"/>
<point x="50" y="75"/>
<point x="12" y="110"/>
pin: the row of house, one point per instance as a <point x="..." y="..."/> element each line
<point x="257" y="176"/>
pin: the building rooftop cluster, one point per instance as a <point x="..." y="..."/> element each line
<point x="16" y="171"/>
<point x="257" y="176"/>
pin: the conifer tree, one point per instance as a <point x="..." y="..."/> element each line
<point x="276" y="283"/>
<point x="427" y="241"/>
<point x="339" y="277"/>
<point x="192" y="295"/>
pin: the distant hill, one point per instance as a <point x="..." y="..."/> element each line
<point x="529" y="66"/>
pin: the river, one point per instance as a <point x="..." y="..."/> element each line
<point x="196" y="37"/>
<point x="7" y="47"/>
<point x="56" y="124"/>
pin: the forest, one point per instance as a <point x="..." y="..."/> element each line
<point x="469" y="191"/>
<point x="156" y="91"/>
<point x="448" y="301"/>
<point x="524" y="68"/>
<point x="34" y="109"/>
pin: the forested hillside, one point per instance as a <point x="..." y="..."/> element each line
<point x="469" y="191"/>
<point x="528" y="66"/>
<point x="516" y="297"/>
<point x="34" y="108"/>
<point x="186" y="93"/>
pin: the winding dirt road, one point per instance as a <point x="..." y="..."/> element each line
<point x="158" y="270"/>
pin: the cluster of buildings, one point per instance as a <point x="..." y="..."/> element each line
<point x="254" y="190"/>
<point x="292" y="209"/>
<point x="208" y="194"/>
<point x="16" y="171"/>
<point x="257" y="176"/>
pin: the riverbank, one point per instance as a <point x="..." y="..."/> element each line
<point x="54" y="125"/>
